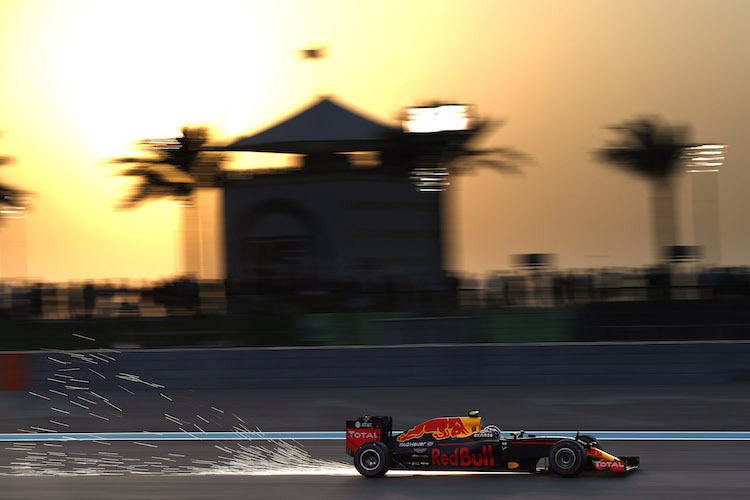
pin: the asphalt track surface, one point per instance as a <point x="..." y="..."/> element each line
<point x="669" y="470"/>
<point x="321" y="469"/>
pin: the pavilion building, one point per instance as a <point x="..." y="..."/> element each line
<point x="349" y="212"/>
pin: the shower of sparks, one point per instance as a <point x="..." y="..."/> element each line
<point x="113" y="406"/>
<point x="84" y="337"/>
<point x="240" y="457"/>
<point x="145" y="444"/>
<point x="135" y="378"/>
<point x="101" y="357"/>
<point x="82" y="357"/>
<point x="172" y="419"/>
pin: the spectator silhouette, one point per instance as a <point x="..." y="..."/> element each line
<point x="89" y="300"/>
<point x="35" y="300"/>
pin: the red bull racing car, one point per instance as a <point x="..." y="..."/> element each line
<point x="461" y="443"/>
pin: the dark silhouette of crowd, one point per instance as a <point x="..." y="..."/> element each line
<point x="305" y="294"/>
<point x="89" y="300"/>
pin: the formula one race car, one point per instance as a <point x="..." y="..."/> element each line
<point x="461" y="443"/>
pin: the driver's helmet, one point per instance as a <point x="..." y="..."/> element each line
<point x="495" y="430"/>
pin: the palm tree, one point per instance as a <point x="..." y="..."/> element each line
<point x="12" y="200"/>
<point x="440" y="155"/>
<point x="176" y="168"/>
<point x="431" y="159"/>
<point x="13" y="204"/>
<point x="7" y="193"/>
<point x="652" y="149"/>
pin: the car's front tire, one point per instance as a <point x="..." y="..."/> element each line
<point x="567" y="458"/>
<point x="372" y="459"/>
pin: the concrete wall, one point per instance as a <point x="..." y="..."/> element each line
<point x="476" y="365"/>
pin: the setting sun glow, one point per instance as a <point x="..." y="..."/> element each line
<point x="84" y="79"/>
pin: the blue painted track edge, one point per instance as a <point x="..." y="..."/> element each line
<point x="340" y="435"/>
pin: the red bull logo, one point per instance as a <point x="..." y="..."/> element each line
<point x="602" y="455"/>
<point x="463" y="457"/>
<point x="440" y="428"/>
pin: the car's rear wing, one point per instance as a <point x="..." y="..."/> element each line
<point x="366" y="429"/>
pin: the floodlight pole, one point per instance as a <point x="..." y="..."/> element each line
<point x="703" y="163"/>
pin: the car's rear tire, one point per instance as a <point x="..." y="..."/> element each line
<point x="372" y="459"/>
<point x="567" y="458"/>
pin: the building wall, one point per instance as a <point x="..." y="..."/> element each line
<point x="351" y="225"/>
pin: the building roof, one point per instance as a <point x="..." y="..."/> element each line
<point x="326" y="126"/>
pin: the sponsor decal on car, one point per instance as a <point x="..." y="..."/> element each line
<point x="597" y="453"/>
<point x="371" y="434"/>
<point x="417" y="463"/>
<point x="483" y="435"/>
<point x="356" y="437"/>
<point x="616" y="465"/>
<point x="513" y="465"/>
<point x="439" y="428"/>
<point x="414" y="444"/>
<point x="463" y="457"/>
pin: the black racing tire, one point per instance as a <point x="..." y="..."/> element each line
<point x="372" y="459"/>
<point x="567" y="458"/>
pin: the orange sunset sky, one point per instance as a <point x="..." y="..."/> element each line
<point x="81" y="80"/>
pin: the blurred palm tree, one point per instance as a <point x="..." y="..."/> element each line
<point x="7" y="193"/>
<point x="436" y="156"/>
<point x="13" y="205"/>
<point x="430" y="159"/>
<point x="652" y="149"/>
<point x="12" y="200"/>
<point x="176" y="168"/>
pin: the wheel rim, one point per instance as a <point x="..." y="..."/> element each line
<point x="369" y="460"/>
<point x="565" y="458"/>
